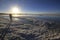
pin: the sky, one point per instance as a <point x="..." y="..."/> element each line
<point x="31" y="5"/>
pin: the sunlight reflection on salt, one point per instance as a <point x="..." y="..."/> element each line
<point x="16" y="19"/>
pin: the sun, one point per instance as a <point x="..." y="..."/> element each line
<point x="15" y="10"/>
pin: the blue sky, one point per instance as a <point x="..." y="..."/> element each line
<point x="31" y="5"/>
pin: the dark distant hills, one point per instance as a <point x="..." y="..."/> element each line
<point x="56" y="14"/>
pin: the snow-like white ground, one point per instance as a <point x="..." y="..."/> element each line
<point x="32" y="28"/>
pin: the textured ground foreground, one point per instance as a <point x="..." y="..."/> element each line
<point x="31" y="29"/>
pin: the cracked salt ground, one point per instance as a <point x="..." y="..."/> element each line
<point x="33" y="29"/>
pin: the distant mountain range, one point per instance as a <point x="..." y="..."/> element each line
<point x="50" y="14"/>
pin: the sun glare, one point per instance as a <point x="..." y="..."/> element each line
<point x="15" y="10"/>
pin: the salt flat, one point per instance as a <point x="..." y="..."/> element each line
<point x="33" y="28"/>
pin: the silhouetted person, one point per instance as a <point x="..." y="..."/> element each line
<point x="10" y="15"/>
